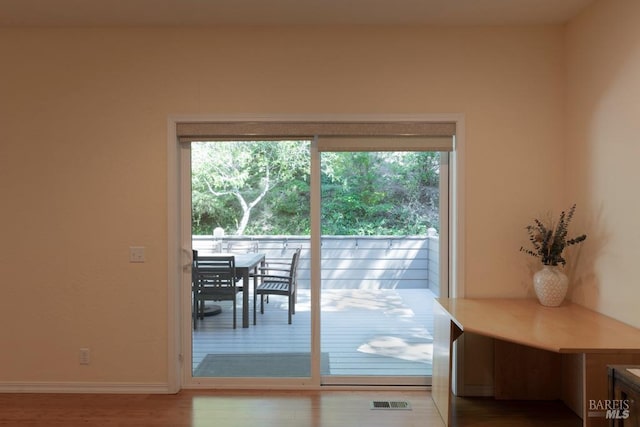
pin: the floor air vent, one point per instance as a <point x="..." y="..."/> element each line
<point x="387" y="404"/>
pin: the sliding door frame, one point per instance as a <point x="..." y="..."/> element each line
<point x="178" y="363"/>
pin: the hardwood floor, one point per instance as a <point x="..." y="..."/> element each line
<point x="486" y="411"/>
<point x="218" y="408"/>
<point x="198" y="408"/>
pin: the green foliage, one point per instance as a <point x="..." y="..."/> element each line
<point x="227" y="176"/>
<point x="549" y="240"/>
<point x="285" y="211"/>
<point x="386" y="193"/>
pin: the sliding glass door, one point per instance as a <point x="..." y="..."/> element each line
<point x="381" y="223"/>
<point x="250" y="200"/>
<point x="368" y="216"/>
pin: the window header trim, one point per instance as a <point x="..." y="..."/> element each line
<point x="207" y="131"/>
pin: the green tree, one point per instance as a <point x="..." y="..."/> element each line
<point x="380" y="193"/>
<point x="230" y="180"/>
<point x="262" y="188"/>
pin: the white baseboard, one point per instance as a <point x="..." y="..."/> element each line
<point x="80" y="387"/>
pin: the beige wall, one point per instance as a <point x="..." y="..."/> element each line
<point x="603" y="148"/>
<point x="83" y="163"/>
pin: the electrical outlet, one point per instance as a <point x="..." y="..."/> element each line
<point x="136" y="254"/>
<point x="85" y="356"/>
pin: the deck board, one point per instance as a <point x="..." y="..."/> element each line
<point x="365" y="332"/>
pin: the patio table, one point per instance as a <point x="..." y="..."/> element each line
<point x="245" y="264"/>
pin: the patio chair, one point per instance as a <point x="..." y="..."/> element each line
<point x="277" y="278"/>
<point x="214" y="279"/>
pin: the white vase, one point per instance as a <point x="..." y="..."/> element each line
<point x="550" y="285"/>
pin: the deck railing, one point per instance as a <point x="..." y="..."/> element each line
<point x="351" y="262"/>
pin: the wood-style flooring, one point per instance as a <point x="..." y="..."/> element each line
<point x="217" y="408"/>
<point x="198" y="408"/>
<point x="487" y="411"/>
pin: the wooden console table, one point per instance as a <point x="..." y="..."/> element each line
<point x="574" y="343"/>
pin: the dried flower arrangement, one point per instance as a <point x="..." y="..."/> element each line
<point x="549" y="240"/>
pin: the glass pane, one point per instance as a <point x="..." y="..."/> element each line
<point x="380" y="223"/>
<point x="250" y="199"/>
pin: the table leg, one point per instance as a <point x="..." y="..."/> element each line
<point x="245" y="298"/>
<point x="255" y="286"/>
<point x="255" y="300"/>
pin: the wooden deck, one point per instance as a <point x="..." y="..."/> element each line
<point x="385" y="332"/>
